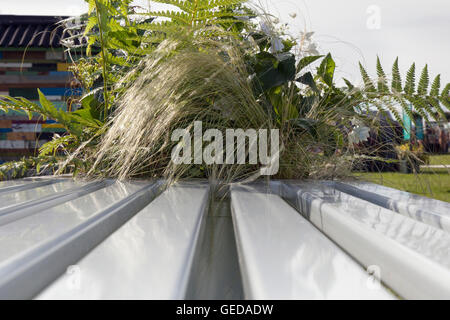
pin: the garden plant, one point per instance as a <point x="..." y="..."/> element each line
<point x="227" y="64"/>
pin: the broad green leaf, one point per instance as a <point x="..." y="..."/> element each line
<point x="306" y="61"/>
<point x="308" y="79"/>
<point x="326" y="70"/>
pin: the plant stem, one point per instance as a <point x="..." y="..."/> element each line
<point x="194" y="13"/>
<point x="104" y="71"/>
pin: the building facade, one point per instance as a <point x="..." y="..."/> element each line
<point x="32" y="57"/>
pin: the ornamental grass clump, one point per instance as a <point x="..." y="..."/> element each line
<point x="224" y="66"/>
<point x="209" y="81"/>
<point x="178" y="84"/>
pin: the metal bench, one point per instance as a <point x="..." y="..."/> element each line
<point x="61" y="239"/>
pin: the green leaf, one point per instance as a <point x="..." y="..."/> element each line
<point x="350" y="86"/>
<point x="277" y="72"/>
<point x="47" y="105"/>
<point x="308" y="79"/>
<point x="84" y="116"/>
<point x="306" y="61"/>
<point x="326" y="70"/>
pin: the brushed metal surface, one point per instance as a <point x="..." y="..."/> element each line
<point x="15" y="186"/>
<point x="65" y="239"/>
<point x="413" y="257"/>
<point x="430" y="211"/>
<point x="38" y="248"/>
<point x="283" y="256"/>
<point x="14" y="206"/>
<point x="149" y="257"/>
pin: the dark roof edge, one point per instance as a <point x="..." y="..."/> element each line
<point x="20" y="19"/>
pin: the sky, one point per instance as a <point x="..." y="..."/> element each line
<point x="352" y="30"/>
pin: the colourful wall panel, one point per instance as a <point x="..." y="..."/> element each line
<point x="54" y="55"/>
<point x="43" y="67"/>
<point x="26" y="127"/>
<point x="52" y="125"/>
<point x="26" y="136"/>
<point x="28" y="93"/>
<point x="60" y="73"/>
<point x="61" y="91"/>
<point x="9" y="144"/>
<point x="15" y="65"/>
<point x="62" y="67"/>
<point x="5" y="123"/>
<point x="21" y="55"/>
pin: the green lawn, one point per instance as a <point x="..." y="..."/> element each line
<point x="440" y="159"/>
<point x="430" y="183"/>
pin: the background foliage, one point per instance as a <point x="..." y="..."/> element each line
<point x="296" y="91"/>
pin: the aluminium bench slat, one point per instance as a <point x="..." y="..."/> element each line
<point x="283" y="256"/>
<point x="427" y="240"/>
<point x="413" y="257"/>
<point x="37" y="249"/>
<point x="12" y="199"/>
<point x="15" y="182"/>
<point x="24" y="185"/>
<point x="430" y="211"/>
<point x="149" y="257"/>
<point x="21" y="204"/>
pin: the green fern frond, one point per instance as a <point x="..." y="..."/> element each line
<point x="382" y="84"/>
<point x="366" y="78"/>
<point x="386" y="104"/>
<point x="183" y="5"/>
<point x="194" y="15"/>
<point x="424" y="81"/>
<point x="446" y="92"/>
<point x="421" y="107"/>
<point x="434" y="102"/>
<point x="159" y="26"/>
<point x="405" y="106"/>
<point x="410" y="80"/>
<point x="51" y="147"/>
<point x="445" y="96"/>
<point x="435" y="87"/>
<point x="120" y="61"/>
<point x="396" y="78"/>
<point x="180" y="17"/>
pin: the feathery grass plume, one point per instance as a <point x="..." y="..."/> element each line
<point x="200" y="79"/>
<point x="181" y="82"/>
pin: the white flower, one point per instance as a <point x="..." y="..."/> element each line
<point x="276" y="42"/>
<point x="312" y="49"/>
<point x="277" y="45"/>
<point x="359" y="134"/>
<point x="266" y="29"/>
<point x="307" y="36"/>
